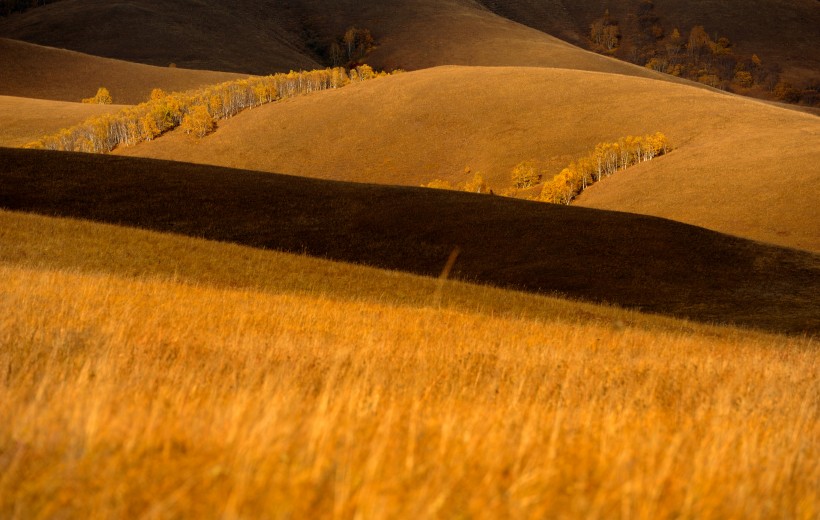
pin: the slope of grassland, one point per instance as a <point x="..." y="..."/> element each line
<point x="23" y="120"/>
<point x="33" y="71"/>
<point x="632" y="260"/>
<point x="241" y="36"/>
<point x="739" y="166"/>
<point x="264" y="37"/>
<point x="782" y="32"/>
<point x="157" y="375"/>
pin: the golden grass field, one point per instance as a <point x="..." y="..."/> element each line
<point x="185" y="332"/>
<point x="132" y="392"/>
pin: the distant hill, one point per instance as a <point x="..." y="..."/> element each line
<point x="779" y="31"/>
<point x="238" y="36"/>
<point x="275" y="35"/>
<point x="34" y="71"/>
<point x="636" y="261"/>
<point x="735" y="167"/>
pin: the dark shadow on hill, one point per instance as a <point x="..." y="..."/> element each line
<point x="635" y="261"/>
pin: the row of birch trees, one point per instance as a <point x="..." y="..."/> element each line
<point x="195" y="111"/>
<point x="603" y="161"/>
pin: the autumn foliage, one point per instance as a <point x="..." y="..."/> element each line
<point x="196" y="110"/>
<point x="606" y="159"/>
<point x="103" y="97"/>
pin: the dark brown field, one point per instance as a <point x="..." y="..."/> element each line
<point x="640" y="262"/>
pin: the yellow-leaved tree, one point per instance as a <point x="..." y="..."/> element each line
<point x="198" y="122"/>
<point x="525" y="175"/>
<point x="103" y="97"/>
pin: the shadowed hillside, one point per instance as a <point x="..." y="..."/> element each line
<point x="263" y="37"/>
<point x="782" y="32"/>
<point x="416" y="127"/>
<point x="34" y="71"/>
<point x="240" y="36"/>
<point x="635" y="261"/>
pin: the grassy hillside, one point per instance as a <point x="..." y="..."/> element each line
<point x="243" y="36"/>
<point x="416" y="127"/>
<point x="782" y="32"/>
<point x="135" y="382"/>
<point x="635" y="261"/>
<point x="263" y="37"/>
<point x="33" y="71"/>
<point x="23" y="120"/>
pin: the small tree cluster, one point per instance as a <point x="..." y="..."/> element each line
<point x="604" y="160"/>
<point x="103" y="97"/>
<point x="351" y="47"/>
<point x="605" y="34"/>
<point x="525" y="175"/>
<point x="476" y="184"/>
<point x="693" y="54"/>
<point x="197" y="110"/>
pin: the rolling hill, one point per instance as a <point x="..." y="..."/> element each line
<point x="243" y="36"/>
<point x="34" y="71"/>
<point x="636" y="261"/>
<point x="278" y="35"/>
<point x="239" y="382"/>
<point x="23" y="120"/>
<point x="416" y="127"/>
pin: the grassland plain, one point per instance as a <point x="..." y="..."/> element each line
<point x="632" y="260"/>
<point x="415" y="127"/>
<point x="145" y="376"/>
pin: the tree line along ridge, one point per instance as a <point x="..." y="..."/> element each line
<point x="604" y="160"/>
<point x="194" y="111"/>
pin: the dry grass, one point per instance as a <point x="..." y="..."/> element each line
<point x="148" y="397"/>
<point x="23" y="120"/>
<point x="730" y="152"/>
<point x="33" y="71"/>
<point x="150" y="375"/>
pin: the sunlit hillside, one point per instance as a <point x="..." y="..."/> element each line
<point x="23" y="120"/>
<point x="162" y="381"/>
<point x="432" y="124"/>
<point x="40" y="72"/>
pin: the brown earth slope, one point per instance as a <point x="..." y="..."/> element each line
<point x="34" y="71"/>
<point x="637" y="261"/>
<point x="736" y="167"/>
